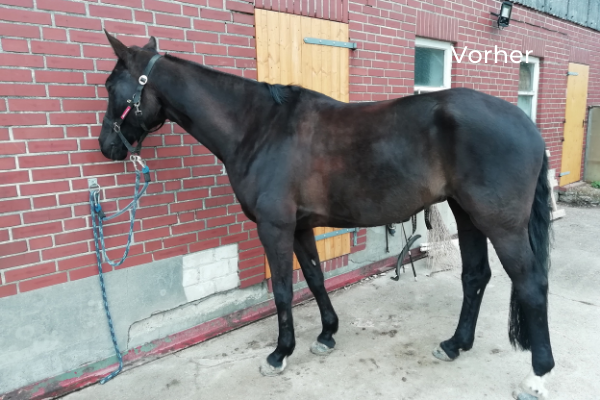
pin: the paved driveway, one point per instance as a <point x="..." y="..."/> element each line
<point x="387" y="332"/>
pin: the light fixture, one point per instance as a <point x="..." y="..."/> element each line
<point x="505" y="12"/>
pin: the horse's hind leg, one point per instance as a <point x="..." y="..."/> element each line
<point x="308" y="257"/>
<point x="475" y="276"/>
<point x="529" y="305"/>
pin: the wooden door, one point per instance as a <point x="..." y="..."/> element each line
<point x="572" y="153"/>
<point x="284" y="58"/>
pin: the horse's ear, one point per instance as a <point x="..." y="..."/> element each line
<point x="151" y="45"/>
<point x="120" y="49"/>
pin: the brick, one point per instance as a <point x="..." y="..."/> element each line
<point x="46" y="215"/>
<point x="215" y="14"/>
<point x="70" y="91"/>
<point x="222" y="61"/>
<point x="218" y="201"/>
<point x="20" y="90"/>
<point x="33" y="105"/>
<point x="74" y="237"/>
<point x="73" y="198"/>
<point x="211" y="223"/>
<point x="192" y="194"/>
<point x="10" y="220"/>
<point x="198" y="182"/>
<point x="8" y="290"/>
<point x="15" y="75"/>
<point x="255" y="252"/>
<point x="250" y="272"/>
<point x="211" y="26"/>
<point x="8" y="249"/>
<point x="142" y="16"/>
<point x="54" y="34"/>
<point x="44" y="202"/>
<point x="50" y="174"/>
<point x="43" y="161"/>
<point x="77" y="262"/>
<point x="87" y="37"/>
<point x="7" y="206"/>
<point x="19" y="30"/>
<point x="15" y="45"/>
<point x="29" y="272"/>
<point x="125" y="3"/>
<point x="44" y="188"/>
<point x="212" y="233"/>
<point x="215" y="4"/>
<point x="45" y="281"/>
<point x="210" y="213"/>
<point x="64" y="251"/>
<point x="21" y="60"/>
<point x="99" y="52"/>
<point x="160" y="221"/>
<point x="30" y="17"/>
<point x="52" y="146"/>
<point x="252" y="281"/>
<point x="22" y="119"/>
<point x="211" y="49"/>
<point x="18" y="260"/>
<point x="84" y="105"/>
<point x="166" y="32"/>
<point x="236" y="29"/>
<point x="11" y="148"/>
<point x="40" y="243"/>
<point x="168" y="253"/>
<point x="243" y="19"/>
<point x="162" y="6"/>
<point x="179" y="240"/>
<point x="186" y="206"/>
<point x="72" y="118"/>
<point x="191" y="11"/>
<point x="78" y="22"/>
<point x="7" y="163"/>
<point x="73" y="7"/>
<point x="110" y="12"/>
<point x="239" y="6"/>
<point x="58" y="77"/>
<point x="123" y="27"/>
<point x="172" y="45"/>
<point x="76" y="223"/>
<point x="61" y="49"/>
<point x="173" y="174"/>
<point x="171" y="20"/>
<point x="204" y="245"/>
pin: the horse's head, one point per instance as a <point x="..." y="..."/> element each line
<point x="121" y="85"/>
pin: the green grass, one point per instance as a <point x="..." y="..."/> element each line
<point x="596" y="184"/>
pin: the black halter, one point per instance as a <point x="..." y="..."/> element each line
<point x="135" y="101"/>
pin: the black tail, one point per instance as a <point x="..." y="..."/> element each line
<point x="539" y="238"/>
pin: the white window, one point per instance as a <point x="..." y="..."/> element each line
<point x="433" y="65"/>
<point x="529" y="78"/>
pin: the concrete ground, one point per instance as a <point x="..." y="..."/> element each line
<point x="387" y="332"/>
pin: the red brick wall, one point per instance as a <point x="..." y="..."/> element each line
<point x="334" y="10"/>
<point x="54" y="60"/>
<point x="383" y="65"/>
<point x="53" y="65"/>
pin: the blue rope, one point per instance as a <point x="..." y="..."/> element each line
<point x="98" y="218"/>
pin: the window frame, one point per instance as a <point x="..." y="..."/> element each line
<point x="447" y="75"/>
<point x="529" y="59"/>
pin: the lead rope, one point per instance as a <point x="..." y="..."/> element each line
<point x="98" y="218"/>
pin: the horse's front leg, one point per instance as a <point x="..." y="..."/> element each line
<point x="277" y="237"/>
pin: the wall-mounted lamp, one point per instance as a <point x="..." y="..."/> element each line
<point x="505" y="12"/>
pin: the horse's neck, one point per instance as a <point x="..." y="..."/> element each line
<point x="207" y="110"/>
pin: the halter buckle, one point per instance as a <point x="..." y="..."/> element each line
<point x="138" y="111"/>
<point x="116" y="127"/>
<point x="135" y="159"/>
<point x="142" y="80"/>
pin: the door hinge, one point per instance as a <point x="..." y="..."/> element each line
<point x="334" y="43"/>
<point x="569" y="73"/>
<point x="564" y="173"/>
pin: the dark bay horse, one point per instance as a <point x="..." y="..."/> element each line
<point x="297" y="159"/>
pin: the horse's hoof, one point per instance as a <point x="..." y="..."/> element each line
<point x="532" y="388"/>
<point x="523" y="396"/>
<point x="440" y="354"/>
<point x="268" y="370"/>
<point x="320" y="349"/>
